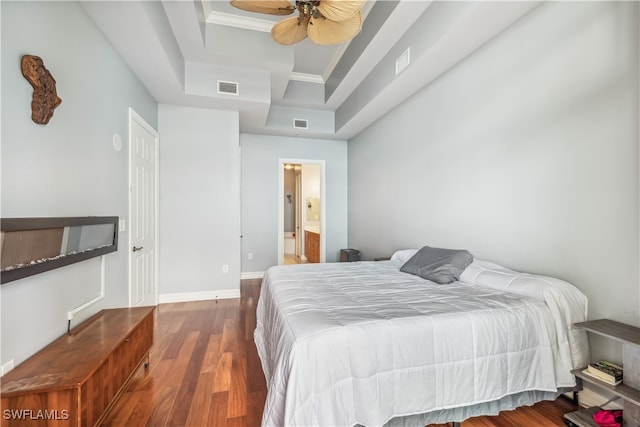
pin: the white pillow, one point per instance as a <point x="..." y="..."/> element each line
<point x="488" y="274"/>
<point x="403" y="255"/>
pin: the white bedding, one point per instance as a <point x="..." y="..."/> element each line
<point x="361" y="343"/>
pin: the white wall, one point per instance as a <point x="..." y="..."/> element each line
<point x="199" y="203"/>
<point x="67" y="167"/>
<point x="260" y="154"/>
<point x="311" y="188"/>
<point x="525" y="153"/>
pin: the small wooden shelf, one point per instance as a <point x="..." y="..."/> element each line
<point x="627" y="393"/>
<point x="629" y="389"/>
<point x="583" y="417"/>
<point x="612" y="329"/>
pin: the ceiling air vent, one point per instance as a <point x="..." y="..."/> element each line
<point x="403" y="61"/>
<point x="301" y="123"/>
<point x="229" y="88"/>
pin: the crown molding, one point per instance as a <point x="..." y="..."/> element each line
<point x="308" y="78"/>
<point x="334" y="60"/>
<point x="236" y="21"/>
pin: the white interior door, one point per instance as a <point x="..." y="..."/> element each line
<point x="143" y="212"/>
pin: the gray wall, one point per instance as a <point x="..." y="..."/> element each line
<point x="199" y="201"/>
<point x="525" y="153"/>
<point x="260" y="154"/>
<point x="67" y="167"/>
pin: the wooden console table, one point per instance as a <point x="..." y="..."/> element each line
<point x="75" y="380"/>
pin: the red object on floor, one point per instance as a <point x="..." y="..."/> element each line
<point x="608" y="418"/>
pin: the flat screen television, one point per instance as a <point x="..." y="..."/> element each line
<point x="34" y="245"/>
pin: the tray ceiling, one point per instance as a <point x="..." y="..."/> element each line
<point x="181" y="50"/>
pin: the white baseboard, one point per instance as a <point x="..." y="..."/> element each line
<point x="198" y="296"/>
<point x="252" y="275"/>
<point x="6" y="367"/>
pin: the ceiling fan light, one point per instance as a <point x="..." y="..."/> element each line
<point x="290" y="30"/>
<point x="326" y="32"/>
<point x="339" y="10"/>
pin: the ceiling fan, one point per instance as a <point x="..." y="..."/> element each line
<point x="325" y="22"/>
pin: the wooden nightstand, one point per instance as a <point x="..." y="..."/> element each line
<point x="349" y="255"/>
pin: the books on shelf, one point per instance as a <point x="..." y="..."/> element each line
<point x="605" y="371"/>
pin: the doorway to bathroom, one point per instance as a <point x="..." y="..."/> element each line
<point x="301" y="213"/>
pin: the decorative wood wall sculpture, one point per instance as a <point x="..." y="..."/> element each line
<point x="45" y="97"/>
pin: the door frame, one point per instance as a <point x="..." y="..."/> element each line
<point x="297" y="220"/>
<point x="323" y="205"/>
<point x="134" y="116"/>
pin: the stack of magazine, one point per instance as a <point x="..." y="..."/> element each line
<point x="605" y="371"/>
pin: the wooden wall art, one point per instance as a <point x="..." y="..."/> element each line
<point x="45" y="97"/>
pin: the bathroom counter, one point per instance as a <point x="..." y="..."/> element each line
<point x="312" y="228"/>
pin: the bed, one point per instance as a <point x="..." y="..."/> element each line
<point x="363" y="343"/>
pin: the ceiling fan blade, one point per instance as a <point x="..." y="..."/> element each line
<point x="271" y="7"/>
<point x="289" y="31"/>
<point x="339" y="10"/>
<point x="327" y="32"/>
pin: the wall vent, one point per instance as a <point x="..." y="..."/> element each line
<point x="228" y="88"/>
<point x="403" y="61"/>
<point x="301" y="123"/>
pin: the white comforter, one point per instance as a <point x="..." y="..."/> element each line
<point x="361" y="343"/>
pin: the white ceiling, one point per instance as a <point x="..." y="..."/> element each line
<point x="180" y="49"/>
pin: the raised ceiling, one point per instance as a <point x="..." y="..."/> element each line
<point x="180" y="50"/>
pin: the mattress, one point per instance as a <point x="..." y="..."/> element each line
<point x="362" y="343"/>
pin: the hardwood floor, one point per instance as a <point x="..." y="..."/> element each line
<point x="205" y="372"/>
<point x="204" y="368"/>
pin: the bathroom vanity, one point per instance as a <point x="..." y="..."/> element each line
<point x="312" y="243"/>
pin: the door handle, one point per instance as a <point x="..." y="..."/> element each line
<point x="135" y="249"/>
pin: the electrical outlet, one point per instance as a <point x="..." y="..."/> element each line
<point x="250" y="256"/>
<point x="225" y="268"/>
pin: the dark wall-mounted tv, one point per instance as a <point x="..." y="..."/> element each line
<point x="34" y="245"/>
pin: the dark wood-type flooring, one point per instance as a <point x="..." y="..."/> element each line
<point x="205" y="372"/>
